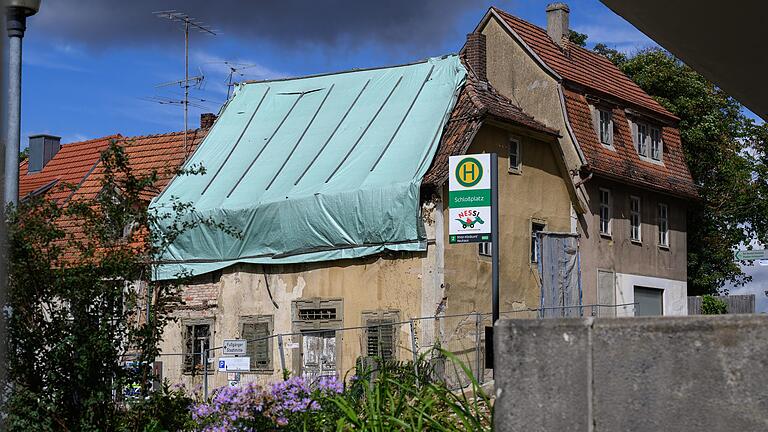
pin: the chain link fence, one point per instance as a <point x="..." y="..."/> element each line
<point x="421" y="340"/>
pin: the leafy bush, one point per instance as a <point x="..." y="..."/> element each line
<point x="711" y="305"/>
<point x="164" y="410"/>
<point x="388" y="396"/>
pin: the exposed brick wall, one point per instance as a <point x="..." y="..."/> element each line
<point x="200" y="296"/>
<point x="474" y="54"/>
<point x="206" y="120"/>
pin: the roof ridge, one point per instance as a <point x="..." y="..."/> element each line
<point x="166" y="134"/>
<point x="353" y="70"/>
<point x="570" y="67"/>
<point x="93" y="140"/>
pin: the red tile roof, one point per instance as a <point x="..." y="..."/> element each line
<point x="477" y="101"/>
<point x="69" y="166"/>
<point x="624" y="163"/>
<point x="162" y="153"/>
<point x="581" y="66"/>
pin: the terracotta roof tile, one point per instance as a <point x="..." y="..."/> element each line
<point x="163" y="153"/>
<point x="69" y="166"/>
<point x="582" y="66"/>
<point x="624" y="163"/>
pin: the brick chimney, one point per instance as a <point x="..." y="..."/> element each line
<point x="207" y="120"/>
<point x="42" y="148"/>
<point x="557" y="22"/>
<point x="474" y="55"/>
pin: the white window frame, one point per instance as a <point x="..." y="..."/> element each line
<point x="657" y="144"/>
<point x="635" y="219"/>
<point x="663" y="225"/>
<point x="642" y="139"/>
<point x="535" y="244"/>
<point x="515" y="147"/>
<point x="484" y="249"/>
<point x="605" y="128"/>
<point x="606" y="201"/>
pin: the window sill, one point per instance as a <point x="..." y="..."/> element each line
<point x="515" y="171"/>
<point x="664" y="247"/>
<point x="608" y="146"/>
<point x="636" y="242"/>
<point x="606" y="236"/>
<point x="651" y="160"/>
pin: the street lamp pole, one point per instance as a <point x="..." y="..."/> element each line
<point x="17" y="12"/>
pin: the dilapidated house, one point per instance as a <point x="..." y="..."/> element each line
<point x="337" y="184"/>
<point x="623" y="152"/>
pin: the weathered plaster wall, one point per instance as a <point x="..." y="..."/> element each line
<point x="404" y="282"/>
<point x="517" y="75"/>
<point x="621" y="255"/>
<point x="538" y="193"/>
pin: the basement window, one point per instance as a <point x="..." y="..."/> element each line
<point x="484" y="249"/>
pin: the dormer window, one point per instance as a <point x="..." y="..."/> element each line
<point x="648" y="141"/>
<point x="605" y="124"/>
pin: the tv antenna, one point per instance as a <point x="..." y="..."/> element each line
<point x="188" y="23"/>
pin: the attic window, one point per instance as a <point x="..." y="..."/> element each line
<point x="648" y="141"/>
<point x="605" y="123"/>
<point x="602" y="121"/>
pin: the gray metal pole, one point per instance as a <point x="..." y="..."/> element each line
<point x="205" y="369"/>
<point x="13" y="139"/>
<point x="415" y="350"/>
<point x="281" y="349"/>
<point x="495" y="236"/>
<point x="478" y="346"/>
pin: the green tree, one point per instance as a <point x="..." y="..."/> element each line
<point x="579" y="39"/>
<point x="711" y="305"/>
<point x="726" y="154"/>
<point x="79" y="289"/>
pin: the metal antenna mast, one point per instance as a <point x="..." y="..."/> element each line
<point x="187" y="22"/>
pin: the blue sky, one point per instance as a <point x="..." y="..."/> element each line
<point x="79" y="88"/>
<point x="90" y="66"/>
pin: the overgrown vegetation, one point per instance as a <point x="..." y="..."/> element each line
<point x="79" y="288"/>
<point x="726" y="153"/>
<point x="392" y="397"/>
<point x="711" y="305"/>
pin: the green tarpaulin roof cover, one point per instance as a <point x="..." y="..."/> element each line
<point x="313" y="169"/>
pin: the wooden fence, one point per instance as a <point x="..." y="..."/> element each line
<point x="737" y="304"/>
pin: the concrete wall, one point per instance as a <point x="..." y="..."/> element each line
<point x="632" y="374"/>
<point x="538" y="193"/>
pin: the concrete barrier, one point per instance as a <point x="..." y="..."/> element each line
<point x="702" y="373"/>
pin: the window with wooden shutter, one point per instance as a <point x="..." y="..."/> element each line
<point x="197" y="338"/>
<point x="257" y="331"/>
<point x="381" y="334"/>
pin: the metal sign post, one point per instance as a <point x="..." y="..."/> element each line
<point x="494" y="237"/>
<point x="473" y="210"/>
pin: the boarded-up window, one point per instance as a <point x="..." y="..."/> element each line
<point x="381" y="334"/>
<point x="311" y="314"/>
<point x="606" y="294"/>
<point x="257" y="331"/>
<point x="197" y="339"/>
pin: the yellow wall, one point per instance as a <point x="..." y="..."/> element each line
<point x="538" y="193"/>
